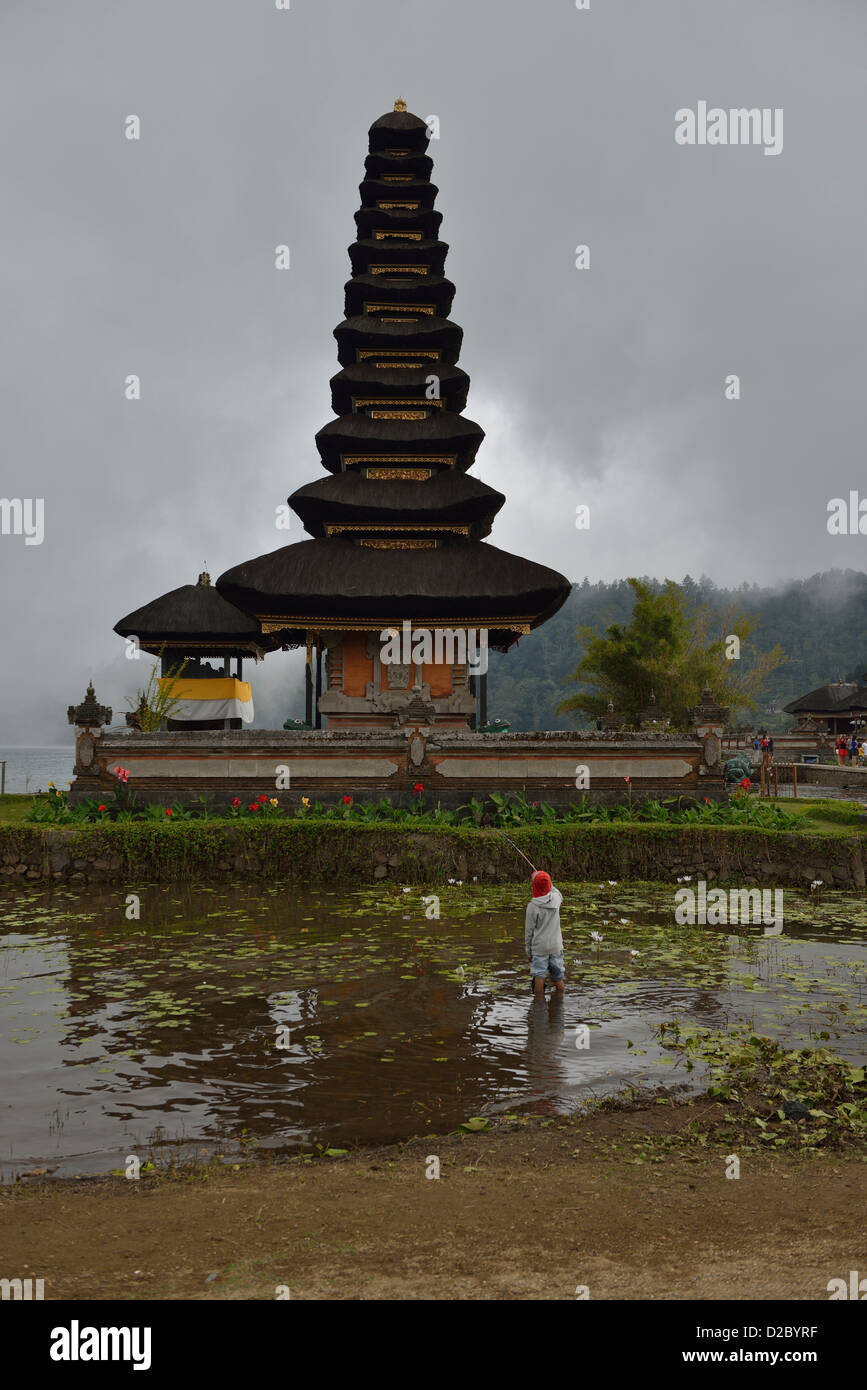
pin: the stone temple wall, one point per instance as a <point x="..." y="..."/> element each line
<point x="451" y="765"/>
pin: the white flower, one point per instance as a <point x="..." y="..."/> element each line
<point x="596" y="936"/>
<point x="817" y="883"/>
<point x="635" y="953"/>
<point x="406" y="890"/>
<point x="624" y="921"/>
<point x="612" y="883"/>
<point x="451" y="880"/>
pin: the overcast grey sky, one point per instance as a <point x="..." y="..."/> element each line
<point x="602" y="386"/>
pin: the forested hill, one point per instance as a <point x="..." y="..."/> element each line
<point x="821" y="624"/>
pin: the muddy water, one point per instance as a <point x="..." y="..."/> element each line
<point x="222" y="1022"/>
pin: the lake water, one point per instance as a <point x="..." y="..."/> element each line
<point x="161" y="1035"/>
<point x="31" y="769"/>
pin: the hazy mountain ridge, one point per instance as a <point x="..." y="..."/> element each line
<point x="820" y="622"/>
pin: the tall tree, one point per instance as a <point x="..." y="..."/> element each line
<point x="672" y="646"/>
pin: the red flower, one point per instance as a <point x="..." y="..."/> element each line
<point x="347" y="801"/>
<point x="745" y="784"/>
<point x="707" y="801"/>
<point x="627" y="779"/>
<point x="103" y="808"/>
<point x="262" y="798"/>
<point x="253" y="806"/>
<point x="168" y="810"/>
<point x="418" y="788"/>
<point x="535" y="803"/>
<point x="236" y="801"/>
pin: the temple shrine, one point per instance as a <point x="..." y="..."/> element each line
<point x="396" y="595"/>
<point x="398" y="524"/>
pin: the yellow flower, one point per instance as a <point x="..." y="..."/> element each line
<point x="305" y="801"/>
<point x="273" y="801"/>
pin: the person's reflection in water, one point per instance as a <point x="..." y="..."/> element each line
<point x="546" y="1059"/>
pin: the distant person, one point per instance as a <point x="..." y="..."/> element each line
<point x="853" y="750"/>
<point x="841" y="749"/>
<point x="771" y="745"/>
<point x="543" y="939"/>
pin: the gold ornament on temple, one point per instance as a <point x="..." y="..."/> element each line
<point x="400" y="104"/>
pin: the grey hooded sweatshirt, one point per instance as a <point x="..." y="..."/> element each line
<point x="542" y="936"/>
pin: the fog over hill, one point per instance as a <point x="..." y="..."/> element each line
<point x="820" y="622"/>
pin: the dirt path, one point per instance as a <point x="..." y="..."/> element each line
<point x="514" y="1215"/>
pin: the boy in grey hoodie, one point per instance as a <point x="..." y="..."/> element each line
<point x="542" y="937"/>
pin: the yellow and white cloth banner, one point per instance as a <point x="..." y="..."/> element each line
<point x="222" y="697"/>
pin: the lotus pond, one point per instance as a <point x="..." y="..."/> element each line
<point x="229" y="1021"/>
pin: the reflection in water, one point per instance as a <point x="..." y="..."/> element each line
<point x="226" y="1018"/>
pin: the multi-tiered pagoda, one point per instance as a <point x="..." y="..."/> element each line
<point x="398" y="524"/>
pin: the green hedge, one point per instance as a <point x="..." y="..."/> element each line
<point x="326" y="852"/>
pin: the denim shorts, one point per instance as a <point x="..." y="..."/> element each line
<point x="555" y="966"/>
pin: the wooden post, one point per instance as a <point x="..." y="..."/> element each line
<point x="776" y="781"/>
<point x="317" y="715"/>
<point x="3" y="778"/>
<point x="308" y="696"/>
<point x="483" y="698"/>
<point x="795" y="779"/>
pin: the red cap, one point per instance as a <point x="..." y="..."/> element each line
<point x="541" y="883"/>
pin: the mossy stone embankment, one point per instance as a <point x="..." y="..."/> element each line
<point x="343" y="853"/>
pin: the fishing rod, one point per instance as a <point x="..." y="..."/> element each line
<point x="515" y="847"/>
